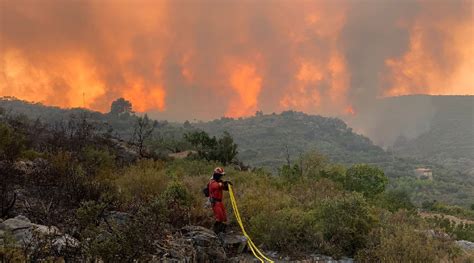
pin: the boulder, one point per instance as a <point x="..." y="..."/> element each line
<point x="23" y="232"/>
<point x="466" y="245"/>
<point x="16" y="223"/>
<point x="207" y="245"/>
<point x="234" y="243"/>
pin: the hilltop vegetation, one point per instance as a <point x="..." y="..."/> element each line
<point x="78" y="177"/>
<point x="264" y="140"/>
<point x="268" y="140"/>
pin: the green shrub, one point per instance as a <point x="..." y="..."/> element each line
<point x="345" y="223"/>
<point x="222" y="150"/>
<point x="458" y="229"/>
<point x="176" y="193"/>
<point x="178" y="201"/>
<point x="453" y="210"/>
<point x="365" y="179"/>
<point x="428" y="205"/>
<point x="289" y="230"/>
<point x="181" y="168"/>
<point x="290" y="172"/>
<point x="9" y="250"/>
<point x="402" y="238"/>
<point x="142" y="182"/>
<point x="336" y="173"/>
<point x="312" y="163"/>
<point x="394" y="200"/>
<point x="97" y="162"/>
<point x="107" y="240"/>
<point x="31" y="154"/>
<point x="12" y="143"/>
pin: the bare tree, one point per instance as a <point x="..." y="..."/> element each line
<point x="143" y="130"/>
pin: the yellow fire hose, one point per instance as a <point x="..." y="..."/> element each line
<point x="256" y="252"/>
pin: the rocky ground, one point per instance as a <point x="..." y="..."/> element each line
<point x="190" y="244"/>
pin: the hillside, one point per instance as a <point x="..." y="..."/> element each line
<point x="264" y="140"/>
<point x="75" y="193"/>
<point x="268" y="140"/>
<point x="450" y="138"/>
<point x="437" y="129"/>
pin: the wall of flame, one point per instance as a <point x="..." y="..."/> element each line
<point x="204" y="59"/>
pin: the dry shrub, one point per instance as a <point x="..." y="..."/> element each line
<point x="401" y="238"/>
<point x="142" y="182"/>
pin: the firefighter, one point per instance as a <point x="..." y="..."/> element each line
<point x="216" y="186"/>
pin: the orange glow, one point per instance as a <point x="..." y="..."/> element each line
<point x="186" y="67"/>
<point x="350" y="111"/>
<point x="72" y="83"/>
<point x="440" y="66"/>
<point x="246" y="82"/>
<point x="143" y="99"/>
<point x="321" y="82"/>
<point x="247" y="55"/>
<point x="89" y="74"/>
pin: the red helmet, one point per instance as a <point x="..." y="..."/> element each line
<point x="219" y="170"/>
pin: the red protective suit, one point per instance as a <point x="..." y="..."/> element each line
<point x="215" y="193"/>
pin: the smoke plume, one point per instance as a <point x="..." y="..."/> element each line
<point x="204" y="59"/>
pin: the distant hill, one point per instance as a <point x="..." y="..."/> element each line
<point x="266" y="140"/>
<point x="450" y="138"/>
<point x="50" y="114"/>
<point x="438" y="129"/>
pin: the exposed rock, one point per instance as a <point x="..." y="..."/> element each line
<point x="16" y="223"/>
<point x="64" y="241"/>
<point x="314" y="258"/>
<point x="24" y="233"/>
<point x="464" y="244"/>
<point x="206" y="243"/>
<point x="327" y="259"/>
<point x="235" y="244"/>
<point x="191" y="244"/>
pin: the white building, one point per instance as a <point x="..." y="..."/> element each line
<point x="424" y="173"/>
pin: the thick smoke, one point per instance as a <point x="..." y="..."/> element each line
<point x="204" y="59"/>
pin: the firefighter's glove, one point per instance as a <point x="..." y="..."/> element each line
<point x="226" y="185"/>
<point x="228" y="182"/>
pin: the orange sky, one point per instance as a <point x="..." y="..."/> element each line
<point x="204" y="59"/>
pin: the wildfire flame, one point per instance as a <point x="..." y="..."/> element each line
<point x="229" y="58"/>
<point x="440" y="58"/>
